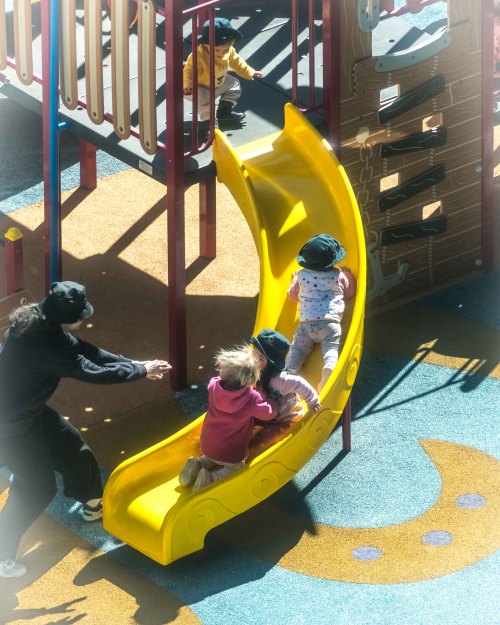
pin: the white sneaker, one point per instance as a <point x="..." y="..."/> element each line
<point x="92" y="513"/>
<point x="10" y="568"/>
<point x="189" y="471"/>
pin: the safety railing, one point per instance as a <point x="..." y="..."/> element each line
<point x="139" y="20"/>
<point x="205" y="11"/>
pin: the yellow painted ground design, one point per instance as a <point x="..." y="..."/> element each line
<point x="70" y="581"/>
<point x="327" y="552"/>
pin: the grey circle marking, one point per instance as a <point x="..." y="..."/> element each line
<point x="437" y="538"/>
<point x="367" y="553"/>
<point x="470" y="501"/>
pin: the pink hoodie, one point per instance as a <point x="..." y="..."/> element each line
<point x="229" y="422"/>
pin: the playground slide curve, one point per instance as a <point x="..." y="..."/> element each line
<point x="289" y="187"/>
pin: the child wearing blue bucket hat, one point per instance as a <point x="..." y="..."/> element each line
<point x="227" y="86"/>
<point x="320" y="288"/>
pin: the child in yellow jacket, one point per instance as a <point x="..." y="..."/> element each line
<point x="227" y="87"/>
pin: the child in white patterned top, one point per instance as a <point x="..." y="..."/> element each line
<point x="320" y="288"/>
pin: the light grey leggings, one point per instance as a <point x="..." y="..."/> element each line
<point x="226" y="468"/>
<point x="307" y="334"/>
<point x="228" y="91"/>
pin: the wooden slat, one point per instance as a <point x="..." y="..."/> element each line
<point x="93" y="60"/>
<point x="69" y="78"/>
<point x="120" y="67"/>
<point x="460" y="150"/>
<point x="147" y="77"/>
<point x="23" y="47"/>
<point x="455" y="110"/>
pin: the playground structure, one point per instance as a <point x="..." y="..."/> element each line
<point x="12" y="242"/>
<point x="412" y="128"/>
<point x="418" y="150"/>
<point x="16" y="294"/>
<point x="416" y="117"/>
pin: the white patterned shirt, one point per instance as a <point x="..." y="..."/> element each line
<point x="321" y="294"/>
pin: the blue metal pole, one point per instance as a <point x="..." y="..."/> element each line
<point x="54" y="166"/>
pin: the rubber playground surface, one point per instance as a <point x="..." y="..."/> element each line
<point x="403" y="530"/>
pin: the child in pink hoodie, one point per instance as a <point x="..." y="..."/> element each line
<point x="233" y="407"/>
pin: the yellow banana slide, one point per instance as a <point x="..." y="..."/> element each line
<point x="289" y="187"/>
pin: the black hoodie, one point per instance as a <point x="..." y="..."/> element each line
<point x="32" y="364"/>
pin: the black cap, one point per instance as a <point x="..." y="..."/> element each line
<point x="66" y="303"/>
<point x="273" y="345"/>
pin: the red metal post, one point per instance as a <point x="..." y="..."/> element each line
<point x="331" y="70"/>
<point x="14" y="262"/>
<point x="208" y="237"/>
<point x="312" y="57"/>
<point x="295" y="53"/>
<point x="346" y="426"/>
<point x="487" y="187"/>
<point x="203" y="16"/>
<point x="207" y="189"/>
<point x="175" y="194"/>
<point x="88" y="166"/>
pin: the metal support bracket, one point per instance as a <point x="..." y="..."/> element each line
<point x="382" y="283"/>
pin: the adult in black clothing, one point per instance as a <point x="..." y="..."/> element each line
<point x="35" y="441"/>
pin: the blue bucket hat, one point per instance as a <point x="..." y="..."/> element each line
<point x="223" y="32"/>
<point x="273" y="345"/>
<point x="321" y="253"/>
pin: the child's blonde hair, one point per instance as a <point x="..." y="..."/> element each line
<point x="237" y="366"/>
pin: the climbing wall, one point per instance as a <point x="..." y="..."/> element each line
<point x="411" y="143"/>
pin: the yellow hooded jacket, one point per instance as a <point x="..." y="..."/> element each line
<point x="230" y="61"/>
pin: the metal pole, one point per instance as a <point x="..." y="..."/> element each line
<point x="45" y="27"/>
<point x="487" y="186"/>
<point x="346" y="426"/>
<point x="55" y="174"/>
<point x="50" y="132"/>
<point x="175" y="195"/>
<point x="331" y="70"/>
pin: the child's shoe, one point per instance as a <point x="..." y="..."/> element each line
<point x="92" y="513"/>
<point x="203" y="480"/>
<point x="11" y="568"/>
<point x="189" y="472"/>
<point x="225" y="113"/>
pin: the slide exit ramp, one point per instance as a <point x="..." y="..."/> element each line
<point x="289" y="187"/>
